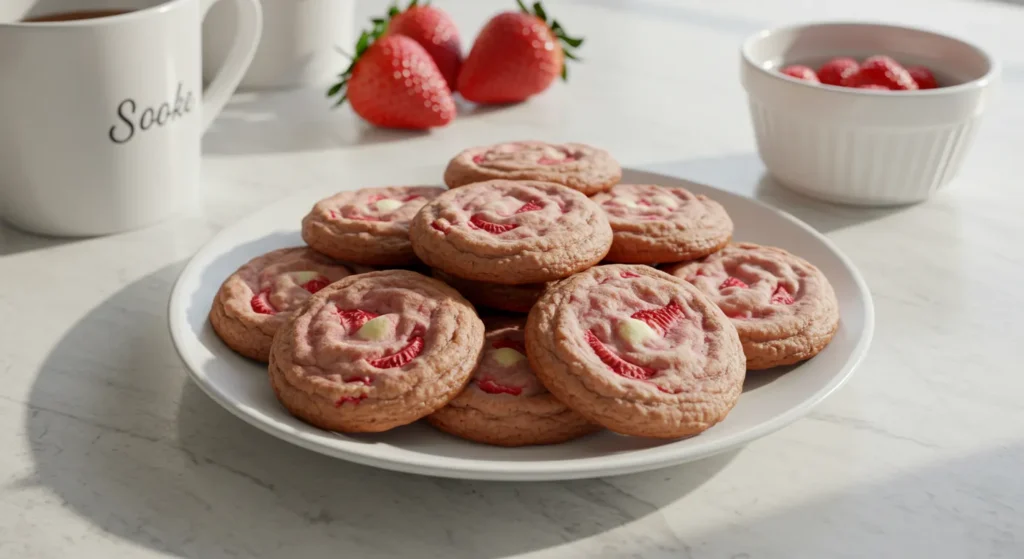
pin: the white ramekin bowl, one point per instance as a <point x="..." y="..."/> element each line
<point x="856" y="146"/>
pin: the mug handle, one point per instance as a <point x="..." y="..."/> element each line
<point x="247" y="38"/>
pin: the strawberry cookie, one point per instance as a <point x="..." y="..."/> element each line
<point x="654" y="224"/>
<point x="375" y="351"/>
<point x="783" y="307"/>
<point x="637" y="351"/>
<point x="504" y="404"/>
<point x="368" y="226"/>
<point x="511" y="298"/>
<point x="584" y="168"/>
<point x="257" y="299"/>
<point x="511" y="232"/>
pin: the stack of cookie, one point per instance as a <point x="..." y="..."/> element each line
<point x="593" y="334"/>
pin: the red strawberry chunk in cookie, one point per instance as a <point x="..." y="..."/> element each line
<point x="406" y="354"/>
<point x="478" y="222"/>
<point x="354" y="319"/>
<point x="315" y="285"/>
<point x="354" y="400"/>
<point x="661" y="319"/>
<point x="781" y="296"/>
<point x="530" y="206"/>
<point x="732" y="282"/>
<point x="491" y="387"/>
<point x="261" y="303"/>
<point x="617" y="364"/>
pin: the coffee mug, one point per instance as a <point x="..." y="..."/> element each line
<point x="299" y="46"/>
<point x="102" y="110"/>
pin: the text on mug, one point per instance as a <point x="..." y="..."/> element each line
<point x="126" y="111"/>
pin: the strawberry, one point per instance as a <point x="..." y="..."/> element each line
<point x="881" y="70"/>
<point x="515" y="56"/>
<point x="393" y="82"/>
<point x="317" y="284"/>
<point x="923" y="77"/>
<point x="661" y="319"/>
<point x="782" y="297"/>
<point x="477" y="222"/>
<point x="406" y="354"/>
<point x="836" y="70"/>
<point x="434" y="30"/>
<point x="491" y="387"/>
<point x="530" y="206"/>
<point x="732" y="282"/>
<point x="354" y="319"/>
<point x="801" y="73"/>
<point x="617" y="364"/>
<point x="260" y="303"/>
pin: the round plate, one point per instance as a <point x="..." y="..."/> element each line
<point x="770" y="400"/>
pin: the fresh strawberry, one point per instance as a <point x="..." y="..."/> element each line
<point x="881" y="70"/>
<point x="477" y="222"/>
<point x="836" y="70"/>
<point x="801" y="73"/>
<point x="515" y="56"/>
<point x="923" y="77"/>
<point x="406" y="354"/>
<point x="662" y="318"/>
<point x="732" y="282"/>
<point x="393" y="82"/>
<point x="434" y="30"/>
<point x="260" y="303"/>
<point x="617" y="364"/>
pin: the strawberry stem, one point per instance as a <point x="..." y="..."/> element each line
<point x="366" y="38"/>
<point x="568" y="43"/>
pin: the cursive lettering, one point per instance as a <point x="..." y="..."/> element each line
<point x="150" y="117"/>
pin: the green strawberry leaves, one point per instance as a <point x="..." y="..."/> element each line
<point x="568" y="43"/>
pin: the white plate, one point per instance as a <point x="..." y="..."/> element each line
<point x="769" y="401"/>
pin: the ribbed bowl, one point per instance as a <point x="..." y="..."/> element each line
<point x="864" y="147"/>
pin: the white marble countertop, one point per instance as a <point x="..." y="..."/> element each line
<point x="109" y="451"/>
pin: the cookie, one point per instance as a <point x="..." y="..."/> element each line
<point x="375" y="351"/>
<point x="655" y="224"/>
<point x="636" y="350"/>
<point x="584" y="168"/>
<point x="511" y="232"/>
<point x="783" y="306"/>
<point x="504" y="404"/>
<point x="254" y="302"/>
<point x="511" y="298"/>
<point x="368" y="226"/>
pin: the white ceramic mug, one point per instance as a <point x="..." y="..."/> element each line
<point x="101" y="118"/>
<point x="298" y="47"/>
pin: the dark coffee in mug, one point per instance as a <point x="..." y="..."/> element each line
<point x="79" y="14"/>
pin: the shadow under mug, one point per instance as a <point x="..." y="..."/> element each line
<point x="101" y="118"/>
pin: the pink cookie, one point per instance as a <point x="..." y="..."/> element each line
<point x="375" y="351"/>
<point x="511" y="232"/>
<point x="578" y="166"/>
<point x="368" y="226"/>
<point x="783" y="306"/>
<point x="637" y="351"/>
<point x="257" y="299"/>
<point x="505" y="404"/>
<point x="654" y="224"/>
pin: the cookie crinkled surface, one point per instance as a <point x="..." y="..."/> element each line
<point x="578" y="166"/>
<point x="783" y="307"/>
<point x="637" y="351"/>
<point x="375" y="351"/>
<point x="511" y="232"/>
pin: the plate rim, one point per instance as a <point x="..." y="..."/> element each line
<point x="562" y="469"/>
